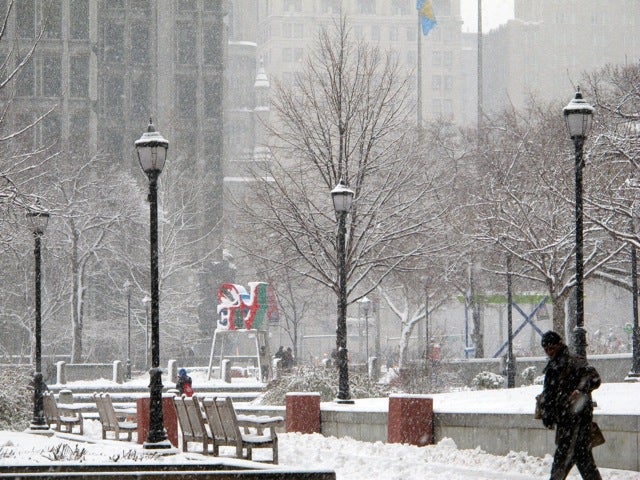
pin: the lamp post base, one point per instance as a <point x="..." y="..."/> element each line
<point x="632" y="377"/>
<point x="163" y="445"/>
<point x="38" y="427"/>
<point x="344" y="401"/>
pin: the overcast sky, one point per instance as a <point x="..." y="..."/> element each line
<point x="494" y="13"/>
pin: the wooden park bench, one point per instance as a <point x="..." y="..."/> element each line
<point x="193" y="425"/>
<point x="110" y="420"/>
<point x="241" y="431"/>
<point x="61" y="418"/>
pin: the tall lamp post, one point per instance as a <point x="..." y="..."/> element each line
<point x="127" y="289"/>
<point x="511" y="364"/>
<point x="578" y="115"/>
<point x="39" y="220"/>
<point x="152" y="154"/>
<point x="342" y="198"/>
<point x="634" y="374"/>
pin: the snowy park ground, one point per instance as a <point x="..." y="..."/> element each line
<point x="356" y="460"/>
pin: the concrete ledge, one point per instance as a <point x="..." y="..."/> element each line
<point x="216" y="471"/>
<point x="497" y="434"/>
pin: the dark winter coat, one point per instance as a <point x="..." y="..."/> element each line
<point x="184" y="385"/>
<point x="564" y="374"/>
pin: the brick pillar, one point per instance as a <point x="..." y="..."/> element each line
<point x="303" y="412"/>
<point x="410" y="420"/>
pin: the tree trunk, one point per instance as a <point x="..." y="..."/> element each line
<point x="558" y="314"/>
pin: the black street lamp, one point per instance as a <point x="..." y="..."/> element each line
<point x="578" y="115"/>
<point x="634" y="374"/>
<point x="152" y="154"/>
<point x="342" y="198"/>
<point x="511" y="364"/>
<point x="127" y="289"/>
<point x="39" y="220"/>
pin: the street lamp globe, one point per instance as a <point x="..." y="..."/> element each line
<point x="578" y="116"/>
<point x="39" y="220"/>
<point x="366" y="304"/>
<point x="342" y="197"/>
<point x="152" y="150"/>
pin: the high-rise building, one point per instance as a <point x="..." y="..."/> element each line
<point x="104" y="68"/>
<point x="549" y="45"/>
<point x="288" y="29"/>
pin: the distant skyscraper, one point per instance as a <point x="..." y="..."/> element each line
<point x="546" y="49"/>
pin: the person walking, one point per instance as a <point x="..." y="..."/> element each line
<point x="566" y="404"/>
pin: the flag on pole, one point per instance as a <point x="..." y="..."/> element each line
<point x="427" y="18"/>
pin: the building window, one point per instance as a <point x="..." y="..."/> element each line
<point x="448" y="82"/>
<point x="53" y="17"/>
<point x="186" y="48"/>
<point x="211" y="5"/>
<point x="292" y="30"/>
<point x="188" y="5"/>
<point x="79" y="21"/>
<point x="140" y="96"/>
<point x="367" y="7"/>
<point x="113" y="4"/>
<point x="393" y="34"/>
<point x="401" y="7"/>
<point x="79" y="76"/>
<point x="375" y="33"/>
<point x="436" y="83"/>
<point x="411" y="33"/>
<point x="293" y="6"/>
<point x="186" y="93"/>
<point x="26" y="84"/>
<point x="50" y="126"/>
<point x="436" y="58"/>
<point x="78" y="132"/>
<point x="113" y="37"/>
<point x="27" y="137"/>
<point x="211" y="50"/>
<point x="141" y="5"/>
<point x="447" y="108"/>
<point x="330" y="6"/>
<point x="113" y="93"/>
<point x="442" y="7"/>
<point x="212" y="100"/>
<point x="26" y="18"/>
<point x="140" y="42"/>
<point x="51" y="76"/>
<point x="447" y="59"/>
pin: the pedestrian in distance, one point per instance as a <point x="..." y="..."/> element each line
<point x="566" y="405"/>
<point x="287" y="360"/>
<point x="184" y="383"/>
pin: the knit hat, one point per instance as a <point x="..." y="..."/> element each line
<point x="550" y="338"/>
<point x="182" y="372"/>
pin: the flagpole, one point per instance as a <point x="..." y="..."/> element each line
<point x="419" y="107"/>
<point x="480" y="94"/>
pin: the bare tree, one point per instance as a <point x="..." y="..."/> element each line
<point x="345" y="118"/>
<point x="524" y="203"/>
